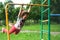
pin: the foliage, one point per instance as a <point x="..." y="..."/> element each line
<point x="2" y="11"/>
<point x="55" y="7"/>
<point x="35" y="11"/>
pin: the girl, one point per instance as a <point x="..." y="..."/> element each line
<point x="16" y="28"/>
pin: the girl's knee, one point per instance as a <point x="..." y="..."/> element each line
<point x="17" y="31"/>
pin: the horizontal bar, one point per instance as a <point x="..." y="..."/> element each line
<point x="44" y="2"/>
<point x="45" y="10"/>
<point x="26" y="4"/>
<point x="54" y="14"/>
<point x="45" y="21"/>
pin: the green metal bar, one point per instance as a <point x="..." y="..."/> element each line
<point x="44" y="2"/>
<point x="41" y="21"/>
<point x="45" y="10"/>
<point x="49" y="20"/>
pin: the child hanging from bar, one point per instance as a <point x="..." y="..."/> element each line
<point x="16" y="28"/>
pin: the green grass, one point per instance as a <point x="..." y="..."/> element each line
<point x="21" y="36"/>
<point x="53" y="28"/>
<point x="28" y="36"/>
<point x="33" y="36"/>
<point x="55" y="37"/>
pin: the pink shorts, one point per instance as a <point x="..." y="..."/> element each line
<point x="12" y="30"/>
<point x="16" y="31"/>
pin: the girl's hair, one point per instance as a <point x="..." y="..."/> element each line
<point x="24" y="12"/>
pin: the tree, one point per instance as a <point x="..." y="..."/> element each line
<point x="10" y="11"/>
<point x="2" y="11"/>
<point x="35" y="11"/>
<point x="55" y="9"/>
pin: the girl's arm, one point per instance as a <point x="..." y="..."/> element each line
<point x="29" y="9"/>
<point x="21" y="9"/>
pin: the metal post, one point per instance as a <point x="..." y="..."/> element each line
<point x="6" y="11"/>
<point x="41" y="20"/>
<point x="49" y="20"/>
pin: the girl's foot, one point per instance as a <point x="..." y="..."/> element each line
<point x="3" y="30"/>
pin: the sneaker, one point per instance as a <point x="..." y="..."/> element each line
<point x="3" y="30"/>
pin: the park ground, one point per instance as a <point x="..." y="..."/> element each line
<point x="32" y="32"/>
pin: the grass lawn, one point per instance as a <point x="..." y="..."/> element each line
<point x="28" y="36"/>
<point x="33" y="36"/>
<point x="53" y="28"/>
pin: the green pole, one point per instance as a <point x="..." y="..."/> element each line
<point x="41" y="21"/>
<point x="49" y="20"/>
<point x="45" y="10"/>
<point x="44" y="1"/>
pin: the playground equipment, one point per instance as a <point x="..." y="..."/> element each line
<point x="42" y="11"/>
<point x="42" y="14"/>
<point x="54" y="14"/>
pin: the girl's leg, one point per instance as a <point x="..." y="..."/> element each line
<point x="13" y="29"/>
<point x="17" y="31"/>
<point x="4" y="30"/>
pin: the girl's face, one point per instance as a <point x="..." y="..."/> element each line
<point x="25" y="16"/>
